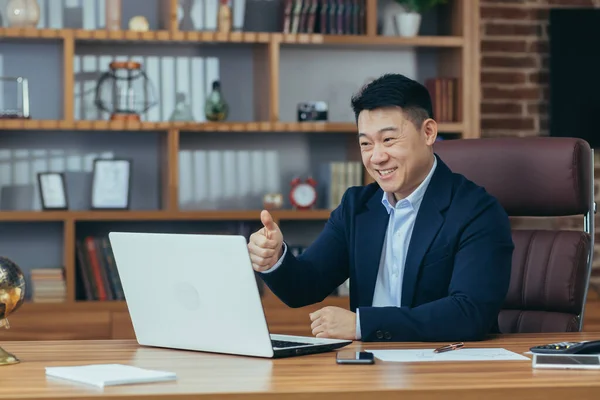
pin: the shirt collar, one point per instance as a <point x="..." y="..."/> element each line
<point x="414" y="199"/>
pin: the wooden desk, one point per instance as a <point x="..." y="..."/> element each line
<point x="213" y="376"/>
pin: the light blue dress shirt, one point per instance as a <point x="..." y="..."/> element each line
<point x="388" y="288"/>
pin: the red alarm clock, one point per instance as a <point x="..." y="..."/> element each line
<point x="303" y="195"/>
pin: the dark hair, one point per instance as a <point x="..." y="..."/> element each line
<point x="395" y="90"/>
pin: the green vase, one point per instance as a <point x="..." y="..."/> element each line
<point x="216" y="108"/>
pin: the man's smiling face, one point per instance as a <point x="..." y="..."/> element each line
<point x="395" y="153"/>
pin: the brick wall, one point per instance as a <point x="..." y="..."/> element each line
<point x="514" y="65"/>
<point x="514" y="83"/>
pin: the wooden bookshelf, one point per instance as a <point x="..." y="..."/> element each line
<point x="458" y="56"/>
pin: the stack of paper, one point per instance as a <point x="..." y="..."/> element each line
<point x="422" y="355"/>
<point x="109" y="374"/>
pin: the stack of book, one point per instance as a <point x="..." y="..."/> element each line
<point x="444" y="98"/>
<point x="333" y="17"/>
<point x="335" y="178"/>
<point x="97" y="269"/>
<point x="48" y="285"/>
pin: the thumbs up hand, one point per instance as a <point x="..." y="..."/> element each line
<point x="265" y="245"/>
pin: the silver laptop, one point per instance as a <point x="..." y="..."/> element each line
<point x="199" y="292"/>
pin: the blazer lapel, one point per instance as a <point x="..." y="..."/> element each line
<point x="427" y="224"/>
<point x="371" y="226"/>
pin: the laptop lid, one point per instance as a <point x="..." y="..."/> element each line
<point x="192" y="292"/>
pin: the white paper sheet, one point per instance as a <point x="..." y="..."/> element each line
<point x="109" y="374"/>
<point x="423" y="355"/>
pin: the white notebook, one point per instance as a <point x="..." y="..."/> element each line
<point x="109" y="374"/>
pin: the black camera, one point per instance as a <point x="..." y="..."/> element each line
<point x="312" y="111"/>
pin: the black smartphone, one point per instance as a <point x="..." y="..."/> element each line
<point x="355" y="357"/>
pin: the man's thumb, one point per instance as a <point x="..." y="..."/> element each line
<point x="267" y="220"/>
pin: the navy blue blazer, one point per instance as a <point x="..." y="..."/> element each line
<point x="457" y="269"/>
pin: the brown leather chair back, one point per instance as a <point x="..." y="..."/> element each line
<point x="537" y="177"/>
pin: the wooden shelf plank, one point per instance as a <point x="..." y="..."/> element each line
<point x="33" y="216"/>
<point x="269" y="301"/>
<point x="320" y="127"/>
<point x="33" y="33"/>
<point x="166" y="36"/>
<point x="340" y="127"/>
<point x="323" y="127"/>
<point x="170" y="37"/>
<point x="80" y="305"/>
<point x="13" y="124"/>
<point x="363" y="40"/>
<point x="201" y="215"/>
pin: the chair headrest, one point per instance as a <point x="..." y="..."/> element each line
<point x="534" y="176"/>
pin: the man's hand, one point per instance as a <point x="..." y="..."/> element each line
<point x="333" y="322"/>
<point x="265" y="245"/>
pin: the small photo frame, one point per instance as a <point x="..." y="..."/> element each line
<point x="53" y="190"/>
<point x="111" y="184"/>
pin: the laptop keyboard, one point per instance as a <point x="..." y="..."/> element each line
<point x="284" y="343"/>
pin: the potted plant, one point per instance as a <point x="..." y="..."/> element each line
<point x="409" y="21"/>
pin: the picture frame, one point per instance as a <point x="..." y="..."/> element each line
<point x="111" y="184"/>
<point x="53" y="190"/>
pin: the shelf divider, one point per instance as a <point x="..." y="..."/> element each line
<point x="69" y="258"/>
<point x="68" y="76"/>
<point x="170" y="178"/>
<point x="266" y="82"/>
<point x="371" y="17"/>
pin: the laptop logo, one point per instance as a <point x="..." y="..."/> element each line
<point x="187" y="296"/>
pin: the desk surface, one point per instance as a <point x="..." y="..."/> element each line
<point x="214" y="376"/>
